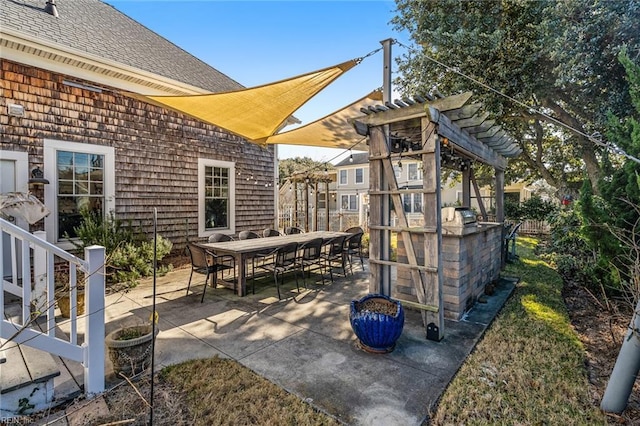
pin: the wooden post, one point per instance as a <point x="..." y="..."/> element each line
<point x="466" y="188"/>
<point x="434" y="321"/>
<point x="315" y="206"/>
<point x="306" y="206"/>
<point x="500" y="212"/>
<point x="376" y="213"/>
<point x="326" y="205"/>
<point x="476" y="188"/>
<point x="295" y="205"/>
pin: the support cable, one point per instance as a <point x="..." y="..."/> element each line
<point x="595" y="137"/>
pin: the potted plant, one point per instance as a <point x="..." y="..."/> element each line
<point x="377" y="321"/>
<point x="63" y="294"/>
<point x="130" y="348"/>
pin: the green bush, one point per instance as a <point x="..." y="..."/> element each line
<point x="535" y="208"/>
<point x="129" y="253"/>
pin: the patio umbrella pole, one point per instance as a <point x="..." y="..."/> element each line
<point x="153" y="312"/>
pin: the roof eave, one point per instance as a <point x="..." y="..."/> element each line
<point x="27" y="49"/>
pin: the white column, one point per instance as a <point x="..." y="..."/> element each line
<point x="94" y="321"/>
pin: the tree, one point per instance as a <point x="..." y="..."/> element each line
<point x="290" y="166"/>
<point x="557" y="58"/>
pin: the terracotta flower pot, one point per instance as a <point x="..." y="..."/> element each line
<point x="130" y="355"/>
<point x="378" y="321"/>
<point x="64" y="303"/>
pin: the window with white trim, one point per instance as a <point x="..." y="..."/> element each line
<point x="415" y="171"/>
<point x="322" y="200"/>
<point x="216" y="200"/>
<point x="360" y="175"/>
<point x="349" y="202"/>
<point x="82" y="178"/>
<point x="412" y="203"/>
<point x="343" y="177"/>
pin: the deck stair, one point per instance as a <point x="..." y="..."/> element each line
<point x="29" y="376"/>
<point x="26" y="380"/>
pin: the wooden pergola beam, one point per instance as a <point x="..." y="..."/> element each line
<point x="417" y="110"/>
<point x="464" y="142"/>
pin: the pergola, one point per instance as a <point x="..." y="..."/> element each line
<point x="441" y="132"/>
<point x="317" y="181"/>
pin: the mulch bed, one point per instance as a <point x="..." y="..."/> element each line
<point x="601" y="330"/>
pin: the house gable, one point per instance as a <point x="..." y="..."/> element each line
<point x="94" y="41"/>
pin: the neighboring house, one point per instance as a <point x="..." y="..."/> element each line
<point x="353" y="186"/>
<point x="64" y="110"/>
<point x="518" y="192"/>
<point x="352" y="183"/>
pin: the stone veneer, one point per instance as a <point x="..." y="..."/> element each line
<point x="471" y="259"/>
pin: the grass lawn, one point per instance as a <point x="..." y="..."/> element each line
<point x="529" y="367"/>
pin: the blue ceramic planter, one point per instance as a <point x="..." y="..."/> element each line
<point x="377" y="320"/>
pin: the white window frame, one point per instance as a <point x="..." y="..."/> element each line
<point x="322" y="200"/>
<point x="51" y="148"/>
<point x="341" y="174"/>
<point x="350" y="197"/>
<point x="21" y="162"/>
<point x="202" y="164"/>
<point x="361" y="170"/>
<point x="418" y="171"/>
<point x="412" y="198"/>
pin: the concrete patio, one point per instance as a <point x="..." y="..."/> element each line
<point x="304" y="343"/>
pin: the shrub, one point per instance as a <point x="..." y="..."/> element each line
<point x="129" y="253"/>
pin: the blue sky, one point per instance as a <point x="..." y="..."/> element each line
<point x="258" y="42"/>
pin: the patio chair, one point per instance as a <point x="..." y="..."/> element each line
<point x="247" y="235"/>
<point x="206" y="263"/>
<point x="353" y="247"/>
<point x="270" y="232"/>
<point x="310" y="255"/>
<point x="285" y="260"/>
<point x="218" y="238"/>
<point x="511" y="237"/>
<point x="256" y="258"/>
<point x="293" y="230"/>
<point x="354" y="230"/>
<point x="334" y="253"/>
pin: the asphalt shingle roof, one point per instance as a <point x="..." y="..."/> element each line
<point x="358" y="158"/>
<point x="99" y="29"/>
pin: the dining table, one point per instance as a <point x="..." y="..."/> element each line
<point x="244" y="250"/>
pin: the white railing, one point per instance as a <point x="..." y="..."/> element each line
<point x="30" y="277"/>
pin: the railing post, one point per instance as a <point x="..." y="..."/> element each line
<point x="38" y="297"/>
<point x="94" y="321"/>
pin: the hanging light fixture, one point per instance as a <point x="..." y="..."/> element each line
<point x="37" y="177"/>
<point x="350" y="156"/>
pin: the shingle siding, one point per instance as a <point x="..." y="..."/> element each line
<point x="156" y="150"/>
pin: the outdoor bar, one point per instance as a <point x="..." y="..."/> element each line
<point x="445" y="261"/>
<point x="471" y="259"/>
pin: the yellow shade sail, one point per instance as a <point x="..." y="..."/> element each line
<point x="254" y="113"/>
<point x="332" y="131"/>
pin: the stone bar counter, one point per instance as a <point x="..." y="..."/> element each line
<point x="471" y="259"/>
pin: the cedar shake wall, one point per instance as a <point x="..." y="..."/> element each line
<point x="469" y="263"/>
<point x="156" y="150"/>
